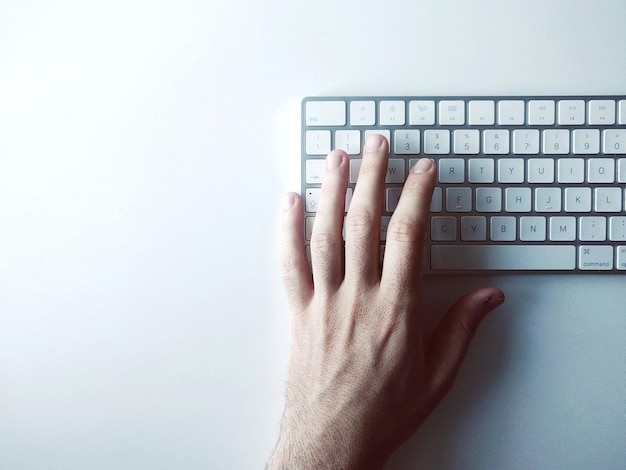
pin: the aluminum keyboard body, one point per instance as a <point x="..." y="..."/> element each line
<point x="525" y="184"/>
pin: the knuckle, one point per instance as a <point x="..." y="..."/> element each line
<point x="405" y="229"/>
<point x="324" y="245"/>
<point x="359" y="219"/>
<point x="287" y="265"/>
<point x="468" y="327"/>
<point x="360" y="223"/>
<point x="291" y="266"/>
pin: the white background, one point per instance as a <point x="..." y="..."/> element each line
<point x="144" y="148"/>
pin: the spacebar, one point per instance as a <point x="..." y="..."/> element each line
<point x="503" y="257"/>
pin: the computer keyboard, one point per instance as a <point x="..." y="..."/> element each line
<point x="525" y="184"/>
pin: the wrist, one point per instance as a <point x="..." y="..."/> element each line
<point x="296" y="451"/>
<point x="321" y="447"/>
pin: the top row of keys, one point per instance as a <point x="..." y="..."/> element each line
<point x="478" y="113"/>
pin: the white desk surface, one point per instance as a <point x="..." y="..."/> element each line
<point x="144" y="148"/>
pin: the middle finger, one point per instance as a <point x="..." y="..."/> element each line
<point x="363" y="220"/>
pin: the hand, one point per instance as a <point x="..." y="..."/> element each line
<point x="362" y="377"/>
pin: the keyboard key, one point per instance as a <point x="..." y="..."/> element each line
<point x="586" y="141"/>
<point x="526" y="141"/>
<point x="458" y="199"/>
<point x="617" y="229"/>
<point x="384" y="224"/>
<point x="571" y="112"/>
<point x="511" y="112"/>
<point x="503" y="229"/>
<point x="451" y="113"/>
<point x="317" y="142"/>
<point x="517" y="199"/>
<point x="547" y="199"/>
<point x="436" y="203"/>
<point x="621" y="258"/>
<point x="308" y="228"/>
<point x="406" y="142"/>
<point x="395" y="171"/>
<point x="488" y="199"/>
<point x="511" y="170"/>
<point x="421" y="113"/>
<point x="466" y="141"/>
<point x="362" y="113"/>
<point x="571" y="170"/>
<point x="541" y="170"/>
<point x="621" y="170"/>
<point x="482" y="113"/>
<point x="392" y="198"/>
<point x="481" y="170"/>
<point x="451" y="170"/>
<point x="325" y="113"/>
<point x="592" y="229"/>
<point x="312" y="199"/>
<point x="315" y="171"/>
<point x="541" y="112"/>
<point x="614" y="141"/>
<point x="577" y="199"/>
<point x="473" y="228"/>
<point x="348" y="141"/>
<point x="355" y="167"/>
<point x="532" y="229"/>
<point x="622" y="112"/>
<point x="608" y="200"/>
<point x="443" y="228"/>
<point x="602" y="112"/>
<point x="556" y="141"/>
<point x="496" y="142"/>
<point x="595" y="257"/>
<point x="391" y="113"/>
<point x="437" y="142"/>
<point x="562" y="229"/>
<point x="503" y="257"/>
<point x="601" y="170"/>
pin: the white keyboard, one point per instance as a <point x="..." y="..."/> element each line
<point x="532" y="184"/>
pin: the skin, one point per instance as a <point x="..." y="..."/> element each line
<point x="362" y="378"/>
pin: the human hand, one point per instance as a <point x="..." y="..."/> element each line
<point x="362" y="377"/>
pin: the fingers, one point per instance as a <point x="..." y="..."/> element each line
<point x="295" y="268"/>
<point x="363" y="219"/>
<point x="326" y="238"/>
<point x="450" y="341"/>
<point x="407" y="229"/>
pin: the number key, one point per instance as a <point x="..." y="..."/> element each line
<point x="586" y="141"/>
<point x="614" y="141"/>
<point x="437" y="141"/>
<point x="406" y="142"/>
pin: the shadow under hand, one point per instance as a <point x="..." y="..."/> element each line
<point x="445" y="440"/>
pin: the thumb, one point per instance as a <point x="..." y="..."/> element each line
<point x="451" y="339"/>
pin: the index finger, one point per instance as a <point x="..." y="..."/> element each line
<point x="407" y="229"/>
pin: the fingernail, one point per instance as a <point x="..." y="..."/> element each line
<point x="288" y="201"/>
<point x="374" y="142"/>
<point x="333" y="160"/>
<point x="422" y="165"/>
<point x="494" y="302"/>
